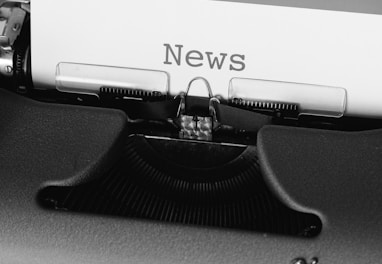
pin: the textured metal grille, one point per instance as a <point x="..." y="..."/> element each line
<point x="195" y="127"/>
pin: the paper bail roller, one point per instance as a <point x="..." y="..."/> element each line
<point x="307" y="99"/>
<point x="89" y="79"/>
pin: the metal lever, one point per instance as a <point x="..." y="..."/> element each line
<point x="195" y="126"/>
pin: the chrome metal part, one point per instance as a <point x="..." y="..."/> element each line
<point x="12" y="16"/>
<point x="194" y="126"/>
<point x="6" y="57"/>
<point x="14" y="24"/>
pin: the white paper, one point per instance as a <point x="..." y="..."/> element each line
<point x="279" y="43"/>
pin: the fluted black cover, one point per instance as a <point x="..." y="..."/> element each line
<point x="185" y="182"/>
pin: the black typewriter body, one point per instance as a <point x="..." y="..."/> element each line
<point x="139" y="177"/>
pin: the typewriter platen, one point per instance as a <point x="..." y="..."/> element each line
<point x="200" y="154"/>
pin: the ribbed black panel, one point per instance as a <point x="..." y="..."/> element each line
<point x="185" y="182"/>
<point x="134" y="93"/>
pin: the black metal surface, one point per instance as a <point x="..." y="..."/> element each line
<point x="335" y="175"/>
<point x="185" y="182"/>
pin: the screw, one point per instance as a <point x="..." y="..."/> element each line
<point x="22" y="89"/>
<point x="16" y="27"/>
<point x="8" y="69"/>
<point x="314" y="261"/>
<point x="299" y="261"/>
<point x="303" y="261"/>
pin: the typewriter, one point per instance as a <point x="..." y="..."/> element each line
<point x="190" y="132"/>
